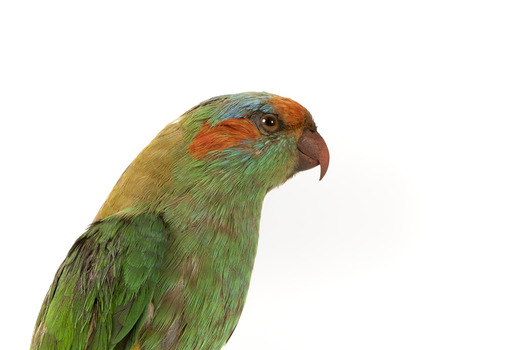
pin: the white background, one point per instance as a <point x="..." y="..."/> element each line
<point x="414" y="239"/>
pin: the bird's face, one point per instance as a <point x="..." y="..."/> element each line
<point x="260" y="137"/>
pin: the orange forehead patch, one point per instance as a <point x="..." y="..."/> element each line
<point x="290" y="112"/>
<point x="222" y="135"/>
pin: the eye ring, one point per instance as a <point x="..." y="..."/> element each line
<point x="269" y="123"/>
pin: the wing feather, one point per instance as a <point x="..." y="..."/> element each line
<point x="101" y="292"/>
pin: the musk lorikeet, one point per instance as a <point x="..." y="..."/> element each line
<point x="167" y="261"/>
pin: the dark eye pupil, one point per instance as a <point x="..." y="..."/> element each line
<point x="269" y="121"/>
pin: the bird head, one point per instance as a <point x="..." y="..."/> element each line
<point x="261" y="137"/>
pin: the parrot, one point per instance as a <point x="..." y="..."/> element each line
<point x="167" y="261"/>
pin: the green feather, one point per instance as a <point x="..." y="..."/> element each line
<point x="167" y="262"/>
<point x="104" y="286"/>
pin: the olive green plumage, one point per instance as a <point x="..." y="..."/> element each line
<point x="167" y="262"/>
<point x="105" y="284"/>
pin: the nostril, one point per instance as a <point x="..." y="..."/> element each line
<point x="311" y="128"/>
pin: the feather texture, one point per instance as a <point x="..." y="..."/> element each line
<point x="168" y="260"/>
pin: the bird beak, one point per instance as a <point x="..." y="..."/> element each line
<point x="312" y="152"/>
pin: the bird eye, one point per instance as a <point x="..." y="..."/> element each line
<point x="269" y="123"/>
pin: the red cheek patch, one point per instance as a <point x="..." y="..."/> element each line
<point x="222" y="135"/>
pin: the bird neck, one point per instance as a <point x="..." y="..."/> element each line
<point x="164" y="178"/>
<point x="232" y="204"/>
